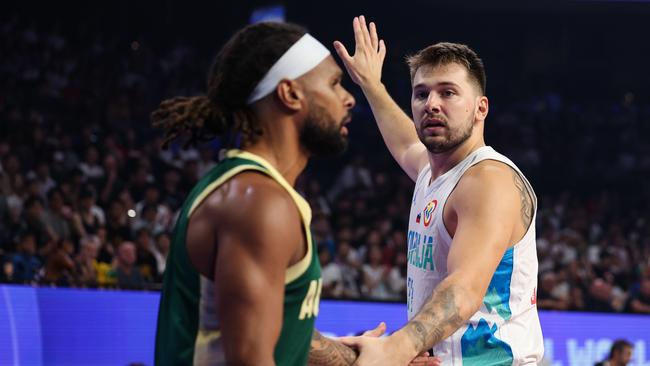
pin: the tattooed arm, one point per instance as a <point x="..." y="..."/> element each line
<point x="326" y="351"/>
<point x="488" y="211"/>
<point x="329" y="352"/>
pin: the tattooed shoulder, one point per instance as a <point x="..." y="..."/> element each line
<point x="525" y="197"/>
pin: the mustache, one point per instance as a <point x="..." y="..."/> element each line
<point x="438" y="117"/>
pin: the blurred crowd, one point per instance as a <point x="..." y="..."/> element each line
<point x="88" y="198"/>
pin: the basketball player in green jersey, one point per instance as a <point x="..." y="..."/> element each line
<point x="242" y="282"/>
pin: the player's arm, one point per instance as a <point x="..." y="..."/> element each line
<point x="329" y="352"/>
<point x="486" y="205"/>
<point x="395" y="126"/>
<point x="253" y="254"/>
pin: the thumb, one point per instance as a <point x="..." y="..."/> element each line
<point x="377" y="332"/>
<point x="350" y="341"/>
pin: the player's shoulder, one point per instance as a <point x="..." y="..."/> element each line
<point x="488" y="177"/>
<point x="251" y="196"/>
<point x="489" y="170"/>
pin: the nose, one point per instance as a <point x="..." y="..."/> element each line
<point x="433" y="103"/>
<point x="348" y="100"/>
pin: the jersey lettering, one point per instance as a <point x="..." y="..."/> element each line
<point x="310" y="305"/>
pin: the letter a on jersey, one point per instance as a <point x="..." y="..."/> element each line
<point x="310" y="305"/>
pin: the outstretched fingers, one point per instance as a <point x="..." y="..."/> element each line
<point x="374" y="39"/>
<point x="382" y="50"/>
<point x="365" y="32"/>
<point x="359" y="38"/>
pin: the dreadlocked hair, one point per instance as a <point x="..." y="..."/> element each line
<point x="240" y="64"/>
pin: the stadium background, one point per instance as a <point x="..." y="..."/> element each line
<point x="569" y="89"/>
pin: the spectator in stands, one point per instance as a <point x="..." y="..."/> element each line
<point x="331" y="274"/>
<point x="106" y="248"/>
<point x="349" y="262"/>
<point x="25" y="263"/>
<point x="33" y="221"/>
<point x="90" y="167"/>
<point x="148" y="220"/>
<point x="146" y="260"/>
<point x="619" y="355"/>
<point x="158" y="220"/>
<point x="88" y="217"/>
<point x="317" y="201"/>
<point x="604" y="297"/>
<point x="112" y="181"/>
<point x="127" y="274"/>
<point x="117" y="224"/>
<point x="397" y="277"/>
<point x="547" y="293"/>
<point x="163" y="241"/>
<point x="322" y="232"/>
<point x="86" y="265"/>
<point x="171" y="193"/>
<point x="375" y="276"/>
<point x="60" y="265"/>
<point x="42" y="175"/>
<point x="640" y="302"/>
<point x="58" y="215"/>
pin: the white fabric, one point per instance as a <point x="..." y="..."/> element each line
<point x="512" y="314"/>
<point x="300" y="58"/>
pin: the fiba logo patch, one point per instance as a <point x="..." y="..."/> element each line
<point x="428" y="212"/>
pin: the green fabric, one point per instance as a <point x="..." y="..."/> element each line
<point x="178" y="314"/>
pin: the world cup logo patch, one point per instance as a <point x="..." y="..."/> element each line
<point x="428" y="212"/>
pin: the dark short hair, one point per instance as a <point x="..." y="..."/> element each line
<point x="618" y="346"/>
<point x="444" y="53"/>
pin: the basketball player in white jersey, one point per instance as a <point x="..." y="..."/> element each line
<point x="472" y="261"/>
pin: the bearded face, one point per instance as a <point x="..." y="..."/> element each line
<point x="440" y="137"/>
<point x="321" y="135"/>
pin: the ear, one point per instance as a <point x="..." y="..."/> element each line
<point x="290" y="94"/>
<point x="482" y="108"/>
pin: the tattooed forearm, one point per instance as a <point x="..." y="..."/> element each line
<point x="438" y="319"/>
<point x="526" y="200"/>
<point x="325" y="351"/>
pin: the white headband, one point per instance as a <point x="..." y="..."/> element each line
<point x="303" y="56"/>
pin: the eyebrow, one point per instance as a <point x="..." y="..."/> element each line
<point x="442" y="83"/>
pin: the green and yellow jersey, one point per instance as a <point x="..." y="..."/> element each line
<point x="188" y="327"/>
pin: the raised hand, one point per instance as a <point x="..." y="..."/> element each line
<point x="365" y="65"/>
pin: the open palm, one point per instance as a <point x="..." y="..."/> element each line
<point x="365" y="65"/>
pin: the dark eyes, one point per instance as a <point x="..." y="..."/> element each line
<point x="424" y="95"/>
<point x="421" y="95"/>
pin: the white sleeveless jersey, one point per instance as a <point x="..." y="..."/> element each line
<point x="506" y="329"/>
